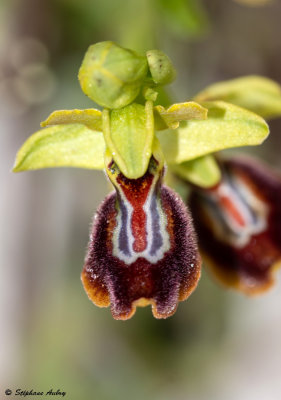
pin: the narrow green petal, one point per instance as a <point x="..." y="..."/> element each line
<point x="171" y="117"/>
<point x="256" y="93"/>
<point x="71" y="145"/>
<point x="89" y="117"/>
<point x="128" y="133"/>
<point x="227" y="126"/>
<point x="203" y="171"/>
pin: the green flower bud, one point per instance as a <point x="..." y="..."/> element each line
<point x="161" y="67"/>
<point x="111" y="75"/>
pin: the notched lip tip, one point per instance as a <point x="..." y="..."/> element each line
<point x="143" y="302"/>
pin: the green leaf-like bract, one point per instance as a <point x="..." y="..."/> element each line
<point x="71" y="145"/>
<point x="227" y="126"/>
<point x="256" y="93"/>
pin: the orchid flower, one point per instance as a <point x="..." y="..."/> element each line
<point x="238" y="222"/>
<point x="142" y="248"/>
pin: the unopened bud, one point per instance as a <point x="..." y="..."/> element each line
<point x="111" y="75"/>
<point x="161" y="67"/>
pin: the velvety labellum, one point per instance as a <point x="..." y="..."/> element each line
<point x="239" y="225"/>
<point x="142" y="248"/>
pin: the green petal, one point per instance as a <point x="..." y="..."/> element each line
<point x="128" y="134"/>
<point x="256" y="93"/>
<point x="62" y="146"/>
<point x="227" y="126"/>
<point x="171" y="117"/>
<point x="89" y="117"/>
<point x="203" y="171"/>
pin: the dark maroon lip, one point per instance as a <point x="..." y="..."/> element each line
<point x="125" y="268"/>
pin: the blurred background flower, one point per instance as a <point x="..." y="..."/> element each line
<point x="219" y="345"/>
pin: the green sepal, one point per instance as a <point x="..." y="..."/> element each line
<point x="128" y="133"/>
<point x="71" y="145"/>
<point x="227" y="126"/>
<point x="256" y="93"/>
<point x="156" y="153"/>
<point x="89" y="117"/>
<point x="203" y="171"/>
<point x="173" y="115"/>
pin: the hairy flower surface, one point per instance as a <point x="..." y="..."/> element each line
<point x="142" y="248"/>
<point x="239" y="225"/>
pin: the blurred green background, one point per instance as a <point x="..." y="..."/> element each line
<point x="219" y="345"/>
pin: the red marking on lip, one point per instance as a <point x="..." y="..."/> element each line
<point x="139" y="231"/>
<point x="231" y="209"/>
<point x="136" y="192"/>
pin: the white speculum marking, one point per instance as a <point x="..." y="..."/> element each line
<point x="157" y="237"/>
